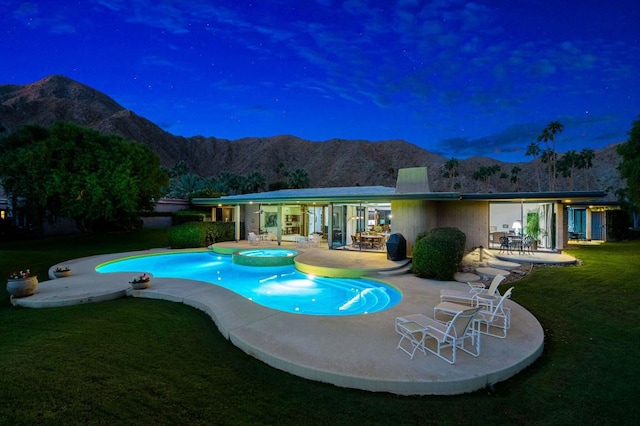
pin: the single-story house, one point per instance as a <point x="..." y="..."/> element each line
<point x="347" y="216"/>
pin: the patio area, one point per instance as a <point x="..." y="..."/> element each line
<point x="351" y="351"/>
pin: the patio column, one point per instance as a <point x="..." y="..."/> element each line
<point x="279" y="228"/>
<point x="236" y="219"/>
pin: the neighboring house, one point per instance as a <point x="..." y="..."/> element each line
<point x="340" y="214"/>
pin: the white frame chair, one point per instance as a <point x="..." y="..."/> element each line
<point x="253" y="238"/>
<point x="413" y="333"/>
<point x="497" y="316"/>
<point x="470" y="297"/>
<point x="453" y="334"/>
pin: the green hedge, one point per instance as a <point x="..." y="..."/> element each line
<point x="199" y="234"/>
<point x="438" y="253"/>
<point x="186" y="216"/>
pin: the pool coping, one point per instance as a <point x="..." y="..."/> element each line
<point x="349" y="351"/>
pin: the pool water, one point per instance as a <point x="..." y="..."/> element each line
<point x="281" y="287"/>
<point x="268" y="253"/>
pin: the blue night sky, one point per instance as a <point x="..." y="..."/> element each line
<point x="458" y="78"/>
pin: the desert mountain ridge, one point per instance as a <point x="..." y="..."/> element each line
<point x="331" y="163"/>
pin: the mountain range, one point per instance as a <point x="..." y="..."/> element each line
<point x="331" y="163"/>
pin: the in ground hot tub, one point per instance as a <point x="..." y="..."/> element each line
<point x="264" y="257"/>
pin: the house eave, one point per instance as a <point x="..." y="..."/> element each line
<point x="562" y="196"/>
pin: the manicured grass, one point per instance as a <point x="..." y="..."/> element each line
<point x="135" y="361"/>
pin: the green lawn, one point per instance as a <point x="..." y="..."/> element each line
<point x="140" y="361"/>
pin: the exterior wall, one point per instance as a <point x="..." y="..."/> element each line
<point x="165" y="205"/>
<point x="562" y="229"/>
<point x="410" y="217"/>
<point x="157" y="221"/>
<point x="562" y="219"/>
<point x="471" y="217"/>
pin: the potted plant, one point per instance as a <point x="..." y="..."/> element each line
<point x="62" y="271"/>
<point x="141" y="282"/>
<point x="21" y="283"/>
<point x="532" y="229"/>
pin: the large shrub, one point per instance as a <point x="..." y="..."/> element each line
<point x="199" y="234"/>
<point x="438" y="253"/>
<point x="185" y="216"/>
<point x="66" y="171"/>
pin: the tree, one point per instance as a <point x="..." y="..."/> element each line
<point x="484" y="173"/>
<point x="229" y="183"/>
<point x="585" y="162"/>
<point x="299" y="179"/>
<point x="515" y="179"/>
<point x="254" y="182"/>
<point x="548" y="156"/>
<point x="629" y="167"/>
<point x="185" y="185"/>
<point x="69" y="171"/>
<point x="451" y="172"/>
<point x="567" y="164"/>
<point x="534" y="150"/>
<point x="548" y="136"/>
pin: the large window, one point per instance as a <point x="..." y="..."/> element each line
<point x="518" y="220"/>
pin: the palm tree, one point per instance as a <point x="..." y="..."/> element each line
<point x="546" y="157"/>
<point x="566" y="165"/>
<point x="585" y="162"/>
<point x="451" y="171"/>
<point x="534" y="150"/>
<point x="229" y="183"/>
<point x="515" y="179"/>
<point x="547" y="136"/>
<point x="254" y="182"/>
<point x="299" y="179"/>
<point x="484" y="173"/>
<point x="185" y="185"/>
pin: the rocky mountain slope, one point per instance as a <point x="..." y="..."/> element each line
<point x="334" y="162"/>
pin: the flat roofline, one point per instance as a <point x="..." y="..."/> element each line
<point x="565" y="196"/>
<point x="304" y="197"/>
<point x="293" y="199"/>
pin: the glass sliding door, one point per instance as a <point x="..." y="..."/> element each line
<point x="338" y="225"/>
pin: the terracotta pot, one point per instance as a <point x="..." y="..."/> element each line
<point x="22" y="287"/>
<point x="62" y="274"/>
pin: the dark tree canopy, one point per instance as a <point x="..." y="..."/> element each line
<point x="630" y="165"/>
<point x="69" y="171"/>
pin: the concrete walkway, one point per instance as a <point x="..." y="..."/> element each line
<point x="350" y="351"/>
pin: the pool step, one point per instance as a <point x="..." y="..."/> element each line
<point x="398" y="271"/>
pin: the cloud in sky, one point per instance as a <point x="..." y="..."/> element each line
<point x="460" y="77"/>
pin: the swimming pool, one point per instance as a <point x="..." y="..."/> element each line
<point x="279" y="287"/>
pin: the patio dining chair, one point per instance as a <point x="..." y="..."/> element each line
<point x="505" y="245"/>
<point x="527" y="245"/>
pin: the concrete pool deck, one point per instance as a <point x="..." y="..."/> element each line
<point x="350" y="351"/>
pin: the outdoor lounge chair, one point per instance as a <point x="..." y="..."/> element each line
<point x="411" y="331"/>
<point x="470" y="297"/>
<point x="453" y="334"/>
<point x="488" y="319"/>
<point x="253" y="238"/>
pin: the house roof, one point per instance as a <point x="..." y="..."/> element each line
<point x="325" y="195"/>
<point x="564" y="196"/>
<point x="354" y="194"/>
